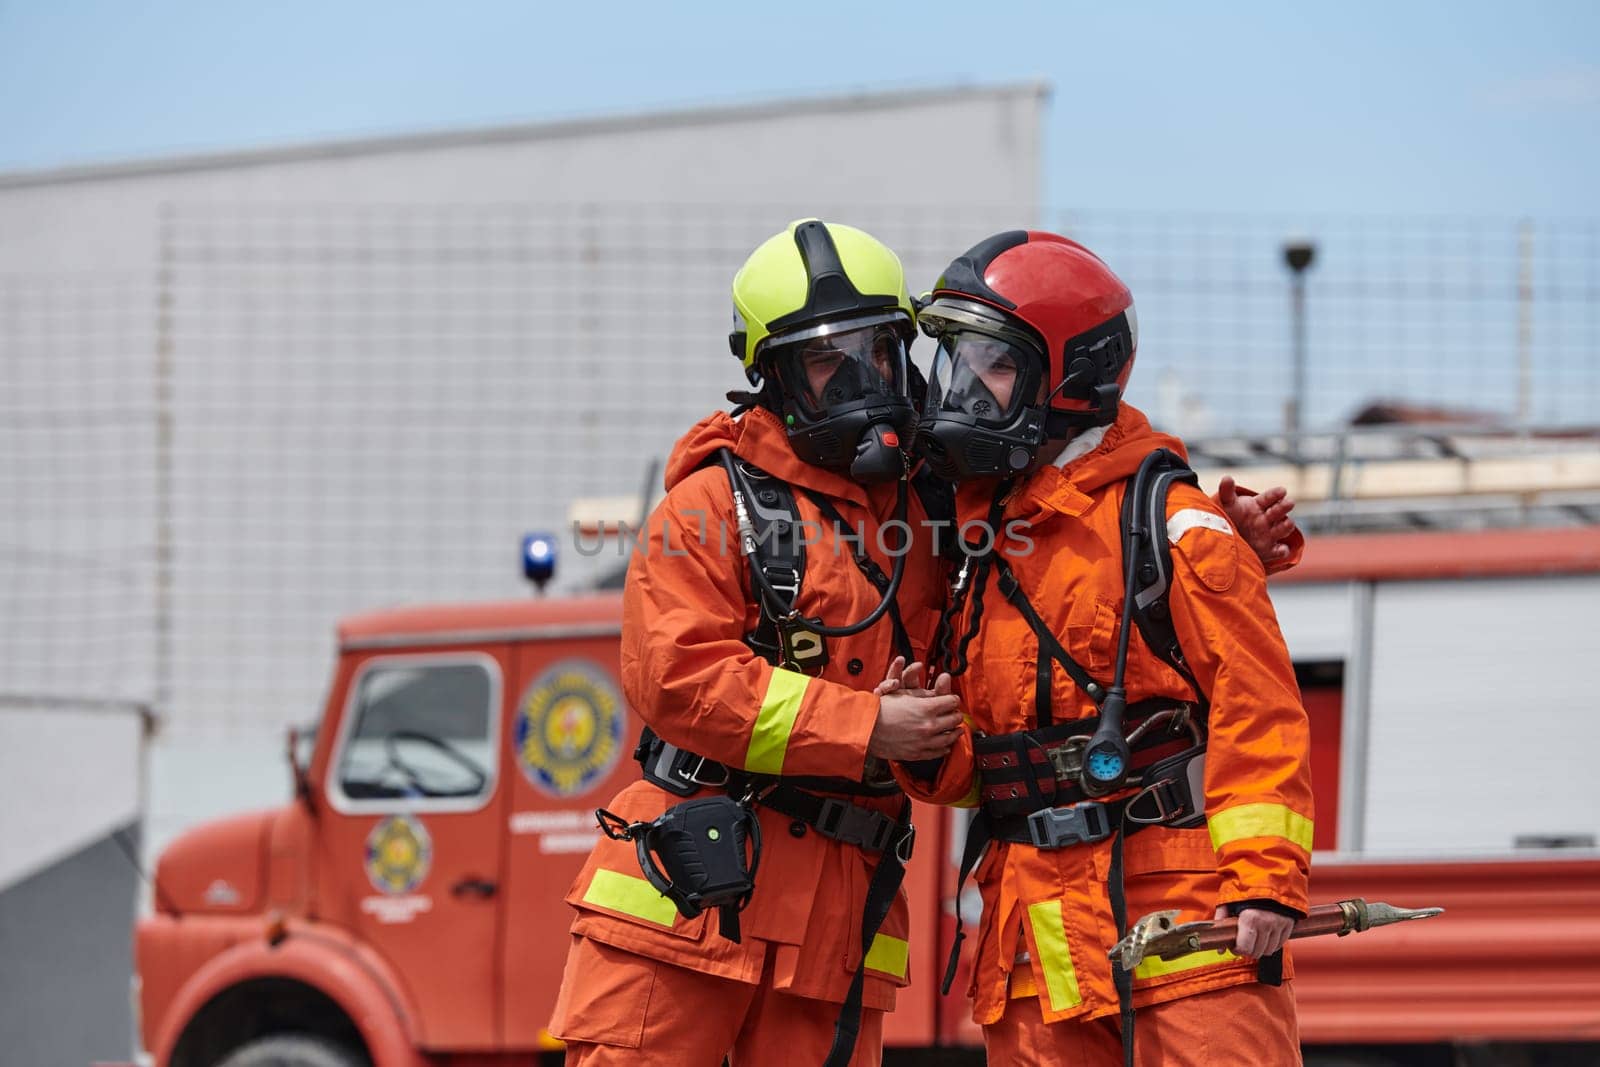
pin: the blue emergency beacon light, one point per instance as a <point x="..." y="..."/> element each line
<point x="538" y="558"/>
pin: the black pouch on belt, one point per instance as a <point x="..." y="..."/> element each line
<point x="699" y="854"/>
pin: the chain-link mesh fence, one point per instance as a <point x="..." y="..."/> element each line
<point x="303" y="411"/>
<point x="1481" y="318"/>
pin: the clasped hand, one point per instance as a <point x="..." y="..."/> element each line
<point x="914" y="723"/>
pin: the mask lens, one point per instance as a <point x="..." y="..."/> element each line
<point x="830" y="371"/>
<point x="978" y="375"/>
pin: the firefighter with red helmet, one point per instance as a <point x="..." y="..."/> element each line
<point x="1137" y="741"/>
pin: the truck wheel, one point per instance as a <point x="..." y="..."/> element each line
<point x="294" y="1050"/>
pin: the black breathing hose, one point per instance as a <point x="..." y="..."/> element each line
<point x="780" y="607"/>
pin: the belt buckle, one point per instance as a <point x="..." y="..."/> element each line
<point x="853" y="824"/>
<point x="904" y="847"/>
<point x="693" y="771"/>
<point x="1079" y="824"/>
<point x="1067" y="757"/>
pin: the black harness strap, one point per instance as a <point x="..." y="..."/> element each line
<point x="978" y="838"/>
<point x="881" y="891"/>
<point x="868" y="567"/>
<point x="1120" y="977"/>
<point x="1144" y="525"/>
<point x="985" y="829"/>
<point x="868" y="829"/>
<point x="781" y="552"/>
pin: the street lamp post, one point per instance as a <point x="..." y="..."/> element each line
<point x="1298" y="256"/>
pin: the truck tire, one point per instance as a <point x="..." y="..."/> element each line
<point x="294" y="1050"/>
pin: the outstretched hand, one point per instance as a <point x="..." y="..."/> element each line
<point x="1262" y="520"/>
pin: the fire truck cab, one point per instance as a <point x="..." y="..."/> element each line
<point x="406" y="907"/>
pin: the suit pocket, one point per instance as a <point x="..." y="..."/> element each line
<point x="1092" y="639"/>
<point x="1166" y="869"/>
<point x="888" y="957"/>
<point x="605" y="994"/>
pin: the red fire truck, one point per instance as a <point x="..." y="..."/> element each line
<point x="405" y="909"/>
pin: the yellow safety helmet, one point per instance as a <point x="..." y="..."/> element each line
<point x="822" y="318"/>
<point x="812" y="273"/>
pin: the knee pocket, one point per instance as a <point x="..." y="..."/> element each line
<point x="605" y="996"/>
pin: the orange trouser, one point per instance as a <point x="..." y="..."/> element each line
<point x="1242" y="1025"/>
<point x="619" y="1008"/>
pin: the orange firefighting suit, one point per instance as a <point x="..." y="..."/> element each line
<point x="688" y="672"/>
<point x="1047" y="919"/>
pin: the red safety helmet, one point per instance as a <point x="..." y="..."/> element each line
<point x="1036" y="340"/>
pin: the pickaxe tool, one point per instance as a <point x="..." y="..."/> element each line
<point x="1160" y="934"/>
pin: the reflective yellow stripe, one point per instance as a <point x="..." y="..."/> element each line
<point x="1155" y="967"/>
<point x="1259" y="820"/>
<point x="629" y="895"/>
<point x="1050" y="941"/>
<point x="888" y="954"/>
<point x="769" y="739"/>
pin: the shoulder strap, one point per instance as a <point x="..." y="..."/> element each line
<point x="1145" y="547"/>
<point x="780" y="550"/>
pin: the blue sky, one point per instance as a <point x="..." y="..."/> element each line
<point x="1458" y="108"/>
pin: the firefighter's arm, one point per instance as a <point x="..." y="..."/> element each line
<point x="1263" y="520"/>
<point x="950" y="779"/>
<point x="688" y="672"/>
<point x="1258" y="779"/>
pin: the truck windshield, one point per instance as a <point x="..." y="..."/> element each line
<point x="420" y="730"/>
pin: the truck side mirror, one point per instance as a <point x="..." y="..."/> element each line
<point x="297" y="770"/>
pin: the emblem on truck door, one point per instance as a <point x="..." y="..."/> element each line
<point x="568" y="731"/>
<point x="399" y="853"/>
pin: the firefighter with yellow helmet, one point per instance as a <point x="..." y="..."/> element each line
<point x="787" y="568"/>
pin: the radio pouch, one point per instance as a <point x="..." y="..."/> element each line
<point x="700" y="854"/>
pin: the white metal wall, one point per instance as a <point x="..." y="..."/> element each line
<point x="1469" y="720"/>
<point x="1484" y="722"/>
<point x="243" y="396"/>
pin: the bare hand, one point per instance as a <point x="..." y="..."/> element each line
<point x="1262" y="520"/>
<point x="914" y="723"/>
<point x="893" y="680"/>
<point x="1261" y="932"/>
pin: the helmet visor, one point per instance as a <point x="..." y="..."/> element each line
<point x="831" y="370"/>
<point x="981" y="375"/>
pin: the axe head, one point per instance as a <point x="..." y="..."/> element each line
<point x="1131" y="950"/>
